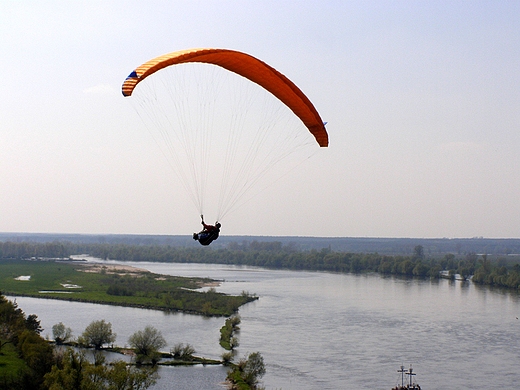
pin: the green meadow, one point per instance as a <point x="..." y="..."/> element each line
<point x="10" y="362"/>
<point x="67" y="280"/>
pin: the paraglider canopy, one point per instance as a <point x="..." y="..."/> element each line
<point x="247" y="66"/>
<point x="229" y="124"/>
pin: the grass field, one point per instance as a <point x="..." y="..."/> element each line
<point x="125" y="287"/>
<point x="10" y="363"/>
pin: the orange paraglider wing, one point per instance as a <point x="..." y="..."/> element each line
<point x="247" y="66"/>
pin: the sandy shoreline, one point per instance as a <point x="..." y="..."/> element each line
<point x="113" y="269"/>
<point x="122" y="270"/>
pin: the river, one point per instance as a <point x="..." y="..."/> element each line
<point x="330" y="331"/>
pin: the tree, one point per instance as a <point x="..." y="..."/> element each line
<point x="448" y="262"/>
<point x="32" y="323"/>
<point x="11" y="320"/>
<point x="418" y="252"/>
<point x="247" y="373"/>
<point x="75" y="372"/>
<point x="23" y="333"/>
<point x="254" y="369"/>
<point x="234" y="342"/>
<point x="435" y="271"/>
<point x="465" y="272"/>
<point x="406" y="267"/>
<point x="97" y="334"/>
<point x="60" y="333"/>
<point x="420" y="269"/>
<point x="147" y="343"/>
<point x="37" y="353"/>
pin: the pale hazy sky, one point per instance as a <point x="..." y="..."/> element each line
<point x="422" y="100"/>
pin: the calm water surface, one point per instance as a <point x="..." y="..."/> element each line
<point x="331" y="331"/>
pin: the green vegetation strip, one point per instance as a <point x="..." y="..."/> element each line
<point x="227" y="339"/>
<point x="69" y="281"/>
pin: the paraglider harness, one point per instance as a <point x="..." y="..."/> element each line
<point x="207" y="235"/>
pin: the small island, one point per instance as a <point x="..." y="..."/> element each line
<point x="119" y="285"/>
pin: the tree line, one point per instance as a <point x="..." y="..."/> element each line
<point x="275" y="255"/>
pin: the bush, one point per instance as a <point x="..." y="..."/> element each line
<point x="182" y="352"/>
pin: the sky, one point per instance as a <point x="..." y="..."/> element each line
<point x="422" y="100"/>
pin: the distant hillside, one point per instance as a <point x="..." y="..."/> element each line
<point x="393" y="246"/>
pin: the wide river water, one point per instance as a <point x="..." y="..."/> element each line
<point x="330" y="331"/>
